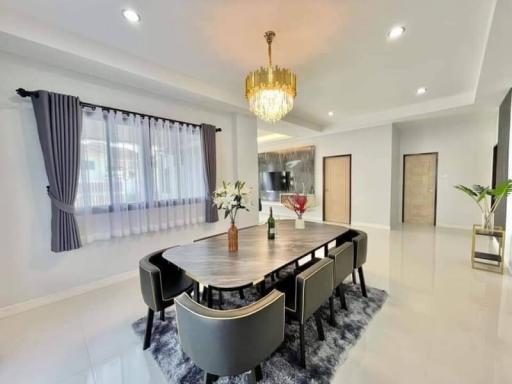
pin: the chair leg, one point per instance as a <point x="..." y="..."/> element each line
<point x="196" y="292"/>
<point x="251" y="377"/>
<point x="302" y="347"/>
<point x="272" y="277"/>
<point x="319" y="326"/>
<point x="262" y="288"/>
<point x="205" y="294"/>
<point x="210" y="378"/>
<point x="162" y="315"/>
<point x="354" y="280"/>
<point x="341" y="294"/>
<point x="332" y="322"/>
<point x="221" y="299"/>
<point x="241" y="294"/>
<point x="209" y="298"/>
<point x="149" y="328"/>
<point x="362" y="282"/>
<point x="258" y="373"/>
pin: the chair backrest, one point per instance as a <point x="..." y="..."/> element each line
<point x="343" y="257"/>
<point x="313" y="287"/>
<point x="230" y="342"/>
<point x="360" y="242"/>
<point x="151" y="268"/>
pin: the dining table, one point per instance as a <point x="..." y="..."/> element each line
<point x="209" y="262"/>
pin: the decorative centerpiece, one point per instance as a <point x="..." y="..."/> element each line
<point x="487" y="199"/>
<point x="231" y="197"/>
<point x="297" y="203"/>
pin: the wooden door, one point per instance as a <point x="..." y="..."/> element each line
<point x="337" y="175"/>
<point x="420" y="188"/>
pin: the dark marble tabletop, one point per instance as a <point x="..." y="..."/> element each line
<point x="209" y="262"/>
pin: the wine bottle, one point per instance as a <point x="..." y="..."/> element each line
<point x="271" y="226"/>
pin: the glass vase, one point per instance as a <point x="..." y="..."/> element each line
<point x="233" y="238"/>
<point x="488" y="221"/>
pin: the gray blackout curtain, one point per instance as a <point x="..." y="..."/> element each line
<point x="59" y="124"/>
<point x="210" y="166"/>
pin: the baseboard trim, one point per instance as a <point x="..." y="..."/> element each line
<point x="291" y="216"/>
<point x="453" y="226"/>
<point x="63" y="295"/>
<point x="370" y="225"/>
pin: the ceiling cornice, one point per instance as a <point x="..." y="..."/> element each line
<point x="28" y="37"/>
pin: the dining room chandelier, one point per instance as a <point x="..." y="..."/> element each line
<point x="271" y="90"/>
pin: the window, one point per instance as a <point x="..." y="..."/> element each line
<point x="137" y="175"/>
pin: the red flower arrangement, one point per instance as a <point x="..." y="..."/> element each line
<point x="297" y="203"/>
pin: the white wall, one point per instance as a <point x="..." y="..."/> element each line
<point x="371" y="171"/>
<point x="29" y="269"/>
<point x="465" y="144"/>
<point x="246" y="151"/>
<point x="396" y="192"/>
<point x="508" y="223"/>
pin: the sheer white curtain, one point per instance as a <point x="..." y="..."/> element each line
<point x="138" y="175"/>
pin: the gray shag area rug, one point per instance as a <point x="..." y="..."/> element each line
<point x="282" y="367"/>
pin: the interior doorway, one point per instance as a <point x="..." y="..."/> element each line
<point x="337" y="188"/>
<point x="419" y="194"/>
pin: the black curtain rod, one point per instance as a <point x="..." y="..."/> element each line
<point x="24" y="93"/>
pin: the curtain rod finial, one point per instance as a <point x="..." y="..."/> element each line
<point x="23" y="92"/>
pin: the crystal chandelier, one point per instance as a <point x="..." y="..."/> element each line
<point x="271" y="90"/>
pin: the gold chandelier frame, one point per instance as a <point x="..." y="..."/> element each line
<point x="271" y="78"/>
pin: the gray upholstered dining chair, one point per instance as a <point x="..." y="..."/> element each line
<point x="306" y="293"/>
<point x="343" y="257"/>
<point x="360" y="241"/>
<point x="160" y="282"/>
<point x="231" y="342"/>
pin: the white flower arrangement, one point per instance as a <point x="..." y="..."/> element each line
<point x="231" y="197"/>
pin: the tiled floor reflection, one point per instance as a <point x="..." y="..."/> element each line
<point x="443" y="323"/>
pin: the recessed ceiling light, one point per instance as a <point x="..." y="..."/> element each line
<point x="396" y="32"/>
<point x="421" y="91"/>
<point x="330" y="113"/>
<point x="131" y="15"/>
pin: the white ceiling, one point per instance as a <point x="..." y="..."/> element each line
<point x="338" y="48"/>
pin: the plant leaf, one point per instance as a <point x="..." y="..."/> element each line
<point x="466" y="190"/>
<point x="502" y="189"/>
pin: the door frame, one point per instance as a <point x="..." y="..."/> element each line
<point x="403" y="182"/>
<point x="350" y="187"/>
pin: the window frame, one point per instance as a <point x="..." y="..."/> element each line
<point x="141" y="205"/>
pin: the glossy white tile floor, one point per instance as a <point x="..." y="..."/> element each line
<point x="443" y="323"/>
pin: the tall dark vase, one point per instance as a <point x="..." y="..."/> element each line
<point x="233" y="238"/>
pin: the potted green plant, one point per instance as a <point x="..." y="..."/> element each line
<point x="487" y="199"/>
